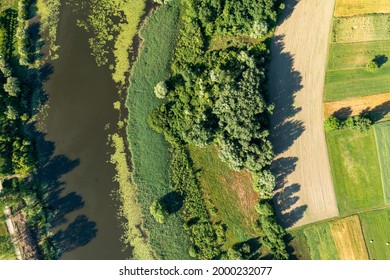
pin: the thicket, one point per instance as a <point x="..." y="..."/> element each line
<point x="219" y="97"/>
<point x="360" y="123"/>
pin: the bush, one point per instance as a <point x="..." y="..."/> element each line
<point x="371" y="66"/>
<point x="358" y="123"/>
<point x="159" y="211"/>
<point x="332" y="123"/>
<point x="160" y="90"/>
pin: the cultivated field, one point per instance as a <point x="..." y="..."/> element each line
<point x="361" y="28"/>
<point x="150" y="154"/>
<point x="320" y="241"/>
<point x="374" y="104"/>
<point x="382" y="134"/>
<point x="230" y="192"/>
<point x="346" y="8"/>
<point x="296" y="83"/>
<point x="355" y="169"/>
<point x="376" y="227"/>
<point x="348" y="237"/>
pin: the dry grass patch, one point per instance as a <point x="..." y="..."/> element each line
<point x="345" y="8"/>
<point x="379" y="103"/>
<point x="348" y="237"/>
<point x="361" y="28"/>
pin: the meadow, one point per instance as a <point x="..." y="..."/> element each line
<point x="320" y="242"/>
<point x="229" y="192"/>
<point x="355" y="169"/>
<point x="6" y="247"/>
<point x="150" y="152"/>
<point x="345" y="8"/>
<point x="382" y="134"/>
<point x="376" y="225"/>
<point x="348" y="237"/>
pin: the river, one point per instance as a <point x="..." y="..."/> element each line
<point x="81" y="97"/>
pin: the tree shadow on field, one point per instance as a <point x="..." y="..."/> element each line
<point x="288" y="10"/>
<point x="377" y="113"/>
<point x="343" y="113"/>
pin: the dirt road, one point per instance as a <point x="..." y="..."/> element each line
<point x="305" y="190"/>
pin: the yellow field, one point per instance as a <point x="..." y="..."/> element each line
<point x="379" y="103"/>
<point x="345" y="8"/>
<point x="348" y="237"/>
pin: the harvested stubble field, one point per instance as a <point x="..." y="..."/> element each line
<point x="345" y="8"/>
<point x="361" y="28"/>
<point x="375" y="104"/>
<point x="382" y="134"/>
<point x="376" y="225"/>
<point x="355" y="170"/>
<point x="349" y="240"/>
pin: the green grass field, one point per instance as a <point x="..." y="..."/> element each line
<point x="382" y="134"/>
<point x="229" y="191"/>
<point x="150" y="154"/>
<point x="6" y="247"/>
<point x="373" y="27"/>
<point x="355" y="170"/>
<point x="320" y="241"/>
<point x="376" y="227"/>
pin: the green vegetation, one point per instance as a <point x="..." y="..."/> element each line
<point x="130" y="210"/>
<point x="49" y="16"/>
<point x="359" y="123"/>
<point x="382" y="134"/>
<point x="228" y="194"/>
<point x="112" y="23"/>
<point x="6" y="247"/>
<point x="376" y="226"/>
<point x="320" y="241"/>
<point x="150" y="154"/>
<point x="355" y="169"/>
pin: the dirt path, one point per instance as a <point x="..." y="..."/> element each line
<point x="305" y="190"/>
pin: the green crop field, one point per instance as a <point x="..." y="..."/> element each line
<point x="229" y="191"/>
<point x="355" y="169"/>
<point x="320" y="241"/>
<point x="150" y="154"/>
<point x="376" y="227"/>
<point x="345" y="84"/>
<point x="6" y="247"/>
<point x="382" y="133"/>
<point x="361" y="28"/>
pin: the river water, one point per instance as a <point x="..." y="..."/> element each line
<point x="81" y="97"/>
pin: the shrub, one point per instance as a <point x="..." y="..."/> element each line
<point x="159" y="211"/>
<point x="160" y="90"/>
<point x="372" y="66"/>
<point x="332" y="123"/>
<point x="358" y="123"/>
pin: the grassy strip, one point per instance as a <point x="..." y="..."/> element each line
<point x="130" y="210"/>
<point x="320" y="241"/>
<point x="229" y="194"/>
<point x="376" y="228"/>
<point x="6" y="247"/>
<point x="382" y="134"/>
<point x="355" y="169"/>
<point x="150" y="154"/>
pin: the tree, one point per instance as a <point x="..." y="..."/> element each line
<point x="12" y="86"/>
<point x="162" y="2"/>
<point x="160" y="90"/>
<point x="159" y="211"/>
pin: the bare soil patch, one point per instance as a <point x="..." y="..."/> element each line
<point x="305" y="191"/>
